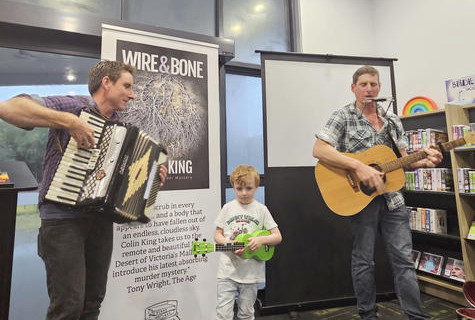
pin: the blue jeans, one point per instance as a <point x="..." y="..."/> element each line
<point x="394" y="227"/>
<point x="77" y="254"/>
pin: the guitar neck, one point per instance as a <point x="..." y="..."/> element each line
<point x="228" y="246"/>
<point x="416" y="156"/>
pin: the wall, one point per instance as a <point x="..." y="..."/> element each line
<point x="432" y="39"/>
<point x="337" y="27"/>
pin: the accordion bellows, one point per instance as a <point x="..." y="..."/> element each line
<point x="119" y="177"/>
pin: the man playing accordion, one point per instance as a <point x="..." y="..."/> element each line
<point x="75" y="247"/>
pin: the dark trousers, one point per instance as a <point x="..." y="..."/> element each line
<point x="77" y="254"/>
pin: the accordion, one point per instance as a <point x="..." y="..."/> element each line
<point x="119" y="177"/>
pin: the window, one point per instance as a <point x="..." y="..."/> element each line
<point x="104" y="8"/>
<point x="256" y="25"/>
<point x="195" y="16"/>
<point x="244" y="123"/>
<point x="36" y="73"/>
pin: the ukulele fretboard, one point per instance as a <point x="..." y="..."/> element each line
<point x="229" y="246"/>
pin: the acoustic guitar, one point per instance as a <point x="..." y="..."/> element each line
<point x="346" y="196"/>
<point x="264" y="253"/>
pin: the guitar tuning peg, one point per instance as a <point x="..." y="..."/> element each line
<point x="203" y="255"/>
<point x="204" y="240"/>
<point x="195" y="255"/>
<point x="196" y="239"/>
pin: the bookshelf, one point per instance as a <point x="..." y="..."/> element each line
<point x="463" y="158"/>
<point x="460" y="207"/>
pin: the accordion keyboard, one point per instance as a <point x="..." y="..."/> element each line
<point x="74" y="165"/>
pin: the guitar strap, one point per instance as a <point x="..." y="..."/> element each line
<point x="393" y="143"/>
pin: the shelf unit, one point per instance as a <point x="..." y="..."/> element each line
<point x="460" y="207"/>
<point x="463" y="158"/>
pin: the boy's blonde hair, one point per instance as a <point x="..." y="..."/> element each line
<point x="242" y="172"/>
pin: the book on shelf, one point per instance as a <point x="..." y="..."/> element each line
<point x="466" y="180"/>
<point x="460" y="130"/>
<point x="409" y="178"/>
<point x="416" y="257"/>
<point x="471" y="181"/>
<point x="431" y="263"/>
<point x="454" y="269"/>
<point x="411" y="217"/>
<point x="428" y="220"/>
<point x="471" y="231"/>
<point x="429" y="179"/>
<point x="438" y="218"/>
<point x="423" y="138"/>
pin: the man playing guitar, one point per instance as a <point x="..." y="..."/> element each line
<point x="355" y="128"/>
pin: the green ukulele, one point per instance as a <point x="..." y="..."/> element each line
<point x="264" y="253"/>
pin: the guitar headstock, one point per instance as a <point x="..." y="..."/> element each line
<point x="202" y="247"/>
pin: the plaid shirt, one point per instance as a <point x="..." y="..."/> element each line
<point x="72" y="104"/>
<point x="349" y="131"/>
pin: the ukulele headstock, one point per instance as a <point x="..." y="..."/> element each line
<point x="201" y="247"/>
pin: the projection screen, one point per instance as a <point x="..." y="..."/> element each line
<point x="301" y="91"/>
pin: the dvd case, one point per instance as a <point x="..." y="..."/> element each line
<point x="454" y="269"/>
<point x="431" y="263"/>
<point x="416" y="256"/>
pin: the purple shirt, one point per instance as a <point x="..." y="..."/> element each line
<point x="72" y="104"/>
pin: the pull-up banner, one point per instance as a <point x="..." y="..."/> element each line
<point x="153" y="273"/>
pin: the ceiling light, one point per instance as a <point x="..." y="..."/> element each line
<point x="71" y="77"/>
<point x="259" y="8"/>
<point x="237" y="28"/>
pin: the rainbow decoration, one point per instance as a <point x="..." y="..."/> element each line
<point x="419" y="104"/>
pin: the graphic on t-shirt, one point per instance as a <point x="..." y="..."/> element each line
<point x="241" y="224"/>
<point x="238" y="232"/>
